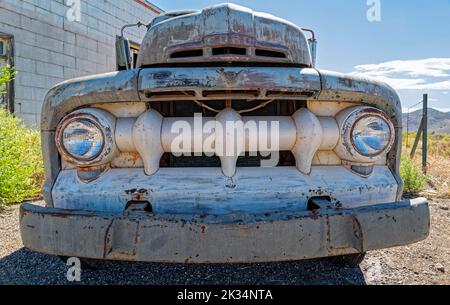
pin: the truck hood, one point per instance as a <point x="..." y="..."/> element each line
<point x="223" y="33"/>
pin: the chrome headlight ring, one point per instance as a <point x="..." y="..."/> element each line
<point x="86" y="137"/>
<point x="367" y="134"/>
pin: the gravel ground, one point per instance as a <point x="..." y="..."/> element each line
<point x="427" y="262"/>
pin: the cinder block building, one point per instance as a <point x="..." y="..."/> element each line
<point x="49" y="41"/>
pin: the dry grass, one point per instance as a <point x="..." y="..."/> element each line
<point x="438" y="161"/>
<point x="439" y="172"/>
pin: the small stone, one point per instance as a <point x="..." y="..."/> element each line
<point x="440" y="268"/>
<point x="444" y="207"/>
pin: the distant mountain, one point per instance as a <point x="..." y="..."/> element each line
<point x="438" y="122"/>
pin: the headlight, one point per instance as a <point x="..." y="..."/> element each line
<point x="367" y="134"/>
<point x="86" y="137"/>
<point x="371" y="135"/>
<point x="83" y="139"/>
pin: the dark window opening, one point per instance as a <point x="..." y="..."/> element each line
<point x="269" y="53"/>
<point x="2" y="49"/>
<point x="7" y="58"/>
<point x="229" y="51"/>
<point x="188" y="53"/>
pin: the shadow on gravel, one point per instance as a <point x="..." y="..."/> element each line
<point x="29" y="268"/>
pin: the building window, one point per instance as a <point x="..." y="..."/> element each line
<point x="7" y="58"/>
<point x="2" y="49"/>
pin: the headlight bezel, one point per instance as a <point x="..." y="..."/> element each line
<point x="104" y="121"/>
<point x="90" y="119"/>
<point x="347" y="120"/>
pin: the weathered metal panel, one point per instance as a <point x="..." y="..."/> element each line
<point x="52" y="164"/>
<point x="123" y="110"/>
<point x="280" y="237"/>
<point x="122" y="86"/>
<point x="224" y="25"/>
<point x="65" y="97"/>
<point x="329" y="109"/>
<point x="196" y="191"/>
<point x="196" y="79"/>
<point x="102" y="88"/>
<point x="349" y="88"/>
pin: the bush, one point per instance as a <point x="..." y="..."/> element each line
<point x="21" y="166"/>
<point x="6" y="75"/>
<point x="415" y="181"/>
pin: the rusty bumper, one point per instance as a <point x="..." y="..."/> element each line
<point x="275" y="237"/>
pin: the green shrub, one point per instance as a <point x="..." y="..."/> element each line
<point x="415" y="181"/>
<point x="21" y="166"/>
<point x="6" y="75"/>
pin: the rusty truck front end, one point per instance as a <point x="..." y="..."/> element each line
<point x="117" y="188"/>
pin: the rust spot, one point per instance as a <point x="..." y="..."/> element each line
<point x="131" y="191"/>
<point x="314" y="215"/>
<point x="134" y="157"/>
<point x="86" y="169"/>
<point x="138" y="194"/>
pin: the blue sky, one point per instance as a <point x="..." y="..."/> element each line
<point x="409" y="47"/>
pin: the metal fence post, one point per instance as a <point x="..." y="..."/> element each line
<point x="424" y="133"/>
<point x="407" y="130"/>
<point x="416" y="139"/>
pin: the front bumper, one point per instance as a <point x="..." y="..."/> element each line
<point x="269" y="237"/>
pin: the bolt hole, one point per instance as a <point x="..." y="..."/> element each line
<point x="315" y="203"/>
<point x="139" y="206"/>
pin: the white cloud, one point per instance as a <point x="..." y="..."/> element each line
<point x="422" y="74"/>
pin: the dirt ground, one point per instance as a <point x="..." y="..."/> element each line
<point x="427" y="262"/>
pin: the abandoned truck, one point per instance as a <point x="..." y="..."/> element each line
<point x="126" y="181"/>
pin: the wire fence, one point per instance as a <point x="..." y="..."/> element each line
<point x="420" y="119"/>
<point x="413" y="119"/>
